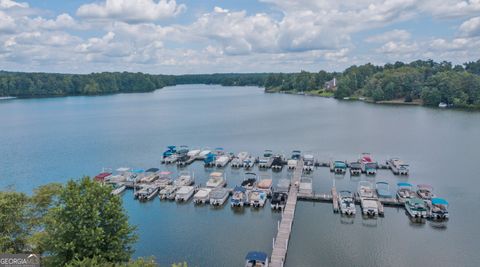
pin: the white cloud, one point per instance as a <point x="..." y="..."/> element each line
<point x="131" y="10"/>
<point x="470" y="27"/>
<point x="4" y="4"/>
<point x="394" y="35"/>
<point x="398" y="48"/>
<point x="7" y="23"/>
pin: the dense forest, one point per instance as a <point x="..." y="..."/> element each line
<point x="426" y="82"/>
<point x="421" y="81"/>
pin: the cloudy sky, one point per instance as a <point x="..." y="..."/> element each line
<point x="193" y="36"/>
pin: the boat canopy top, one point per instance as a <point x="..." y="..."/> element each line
<point x="256" y="256"/>
<point x="103" y="175"/>
<point x="403" y="184"/>
<point x="239" y="189"/>
<point x="137" y="170"/>
<point x="439" y="201"/>
<point x="364" y="183"/>
<point x="172" y="147"/>
<point x="216" y="174"/>
<point x="340" y="164"/>
<point x="366" y="158"/>
<point x="165" y="173"/>
<point x="123" y="169"/>
<point x="355" y="165"/>
<point x="152" y="170"/>
<point x="416" y="201"/>
<point x="265" y="183"/>
<point x="345" y="193"/>
<point x="382" y="183"/>
<point x="219" y="193"/>
<point x="425" y="187"/>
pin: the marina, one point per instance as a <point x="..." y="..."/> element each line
<point x="310" y="240"/>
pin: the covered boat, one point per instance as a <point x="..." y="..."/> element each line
<point x="404" y="191"/>
<point x="147" y="193"/>
<point x="369" y="206"/>
<point x="383" y="189"/>
<point x="265" y="185"/>
<point x="279" y="200"/>
<point x="119" y="189"/>
<point x="425" y="191"/>
<point x="101" y="177"/>
<point x="184" y="178"/>
<point x="346" y="203"/>
<point x="164" y="178"/>
<point x="339" y="167"/>
<point x="170" y="151"/>
<point x="365" y="190"/>
<point x="239" y="197"/>
<point x="416" y="207"/>
<point x="355" y="168"/>
<point x="256" y="259"/>
<point x="222" y="161"/>
<point x="249" y="162"/>
<point x="217" y="179"/>
<point x="439" y="209"/>
<point x="249" y="181"/>
<point x="218" y="196"/>
<point x="257" y="198"/>
<point x="369" y="166"/>
<point x="184" y="193"/>
<point x="398" y="166"/>
<point x="202" y="196"/>
<point x="292" y="164"/>
<point x="150" y="175"/>
<point x="277" y="162"/>
<point x="168" y="192"/>
<point x="308" y="162"/>
<point x="203" y="154"/>
<point x="209" y="160"/>
<point x="296" y="155"/>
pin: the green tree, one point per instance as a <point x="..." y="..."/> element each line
<point x="14" y="222"/>
<point x="88" y="222"/>
<point x="431" y="96"/>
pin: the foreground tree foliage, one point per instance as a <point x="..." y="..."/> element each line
<point x="88" y="222"/>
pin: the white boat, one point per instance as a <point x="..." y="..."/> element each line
<point x="425" y="191"/>
<point x="355" y="168"/>
<point x="168" y="192"/>
<point x="404" y="192"/>
<point x="265" y="185"/>
<point x="398" y="167"/>
<point x="184" y="193"/>
<point x="202" y="196"/>
<point x="222" y="161"/>
<point x="119" y="190"/>
<point x="164" y="179"/>
<point x="203" y="154"/>
<point x="171" y="159"/>
<point x="217" y="179"/>
<point x="278" y="162"/>
<point x="346" y="203"/>
<point x="305" y="186"/>
<point x="442" y="105"/>
<point x="239" y="197"/>
<point x="308" y="162"/>
<point x="292" y="164"/>
<point x="249" y="162"/>
<point x="193" y="153"/>
<point x="257" y="198"/>
<point x="237" y="161"/>
<point x="365" y="190"/>
<point x="147" y="193"/>
<point x="150" y="175"/>
<point x="218" y="196"/>
<point x="369" y="206"/>
<point x="184" y="178"/>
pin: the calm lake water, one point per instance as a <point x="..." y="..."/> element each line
<point x="51" y="140"/>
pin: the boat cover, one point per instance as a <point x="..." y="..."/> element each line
<point x="256" y="256"/>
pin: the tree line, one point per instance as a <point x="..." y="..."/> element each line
<point x="77" y="224"/>
<point x="426" y="81"/>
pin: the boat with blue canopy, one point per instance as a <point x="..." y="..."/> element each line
<point x="170" y="151"/>
<point x="256" y="259"/>
<point x="404" y="191"/>
<point x="439" y="208"/>
<point x="383" y="189"/>
<point x="239" y="197"/>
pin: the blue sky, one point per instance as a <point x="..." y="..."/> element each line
<point x="191" y="36"/>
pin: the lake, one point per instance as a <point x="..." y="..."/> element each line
<point x="54" y="139"/>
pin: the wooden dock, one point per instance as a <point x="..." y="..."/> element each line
<point x="280" y="243"/>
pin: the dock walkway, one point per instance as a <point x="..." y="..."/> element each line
<point x="280" y="243"/>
